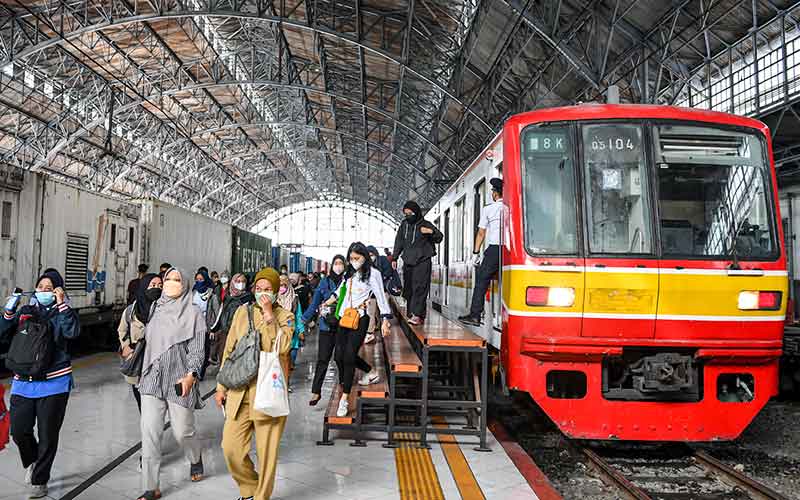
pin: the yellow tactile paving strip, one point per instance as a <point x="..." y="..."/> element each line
<point x="459" y="467"/>
<point x="415" y="470"/>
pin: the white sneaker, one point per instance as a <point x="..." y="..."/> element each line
<point x="38" y="491"/>
<point x="368" y="378"/>
<point x="370" y="338"/>
<point x="29" y="473"/>
<point x="344" y="407"/>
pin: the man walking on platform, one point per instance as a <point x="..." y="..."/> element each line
<point x="488" y="231"/>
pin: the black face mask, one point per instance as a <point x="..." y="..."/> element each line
<point x="152" y="294"/>
<point x="411" y="217"/>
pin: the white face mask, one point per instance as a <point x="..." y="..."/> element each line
<point x="239" y="285"/>
<point x="338" y="268"/>
<point x="374" y="258"/>
<point x="356" y="264"/>
<point x="224" y="279"/>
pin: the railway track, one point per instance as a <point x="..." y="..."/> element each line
<point x="676" y="473"/>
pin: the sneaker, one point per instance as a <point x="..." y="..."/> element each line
<point x="344" y="408"/>
<point x="38" y="491"/>
<point x="29" y="473"/>
<point x="369" y="378"/>
<point x="470" y="320"/>
<point x="370" y="338"/>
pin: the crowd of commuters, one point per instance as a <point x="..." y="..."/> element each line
<point x="177" y="325"/>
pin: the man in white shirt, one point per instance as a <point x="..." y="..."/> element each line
<point x="488" y="231"/>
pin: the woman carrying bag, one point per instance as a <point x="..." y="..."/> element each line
<point x="361" y="283"/>
<point x="274" y="325"/>
<point x="133" y="321"/>
<point x="173" y="356"/>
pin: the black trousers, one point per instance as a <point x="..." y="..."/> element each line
<point x="206" y="352"/>
<point x="483" y="277"/>
<point x="326" y="342"/>
<point x="47" y="414"/>
<point x="416" y="286"/>
<point x="348" y="342"/>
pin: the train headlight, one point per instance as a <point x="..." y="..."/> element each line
<point x="549" y="296"/>
<point x="751" y="300"/>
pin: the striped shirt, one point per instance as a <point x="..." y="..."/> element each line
<point x="159" y="379"/>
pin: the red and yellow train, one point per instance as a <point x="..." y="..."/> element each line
<point x="644" y="281"/>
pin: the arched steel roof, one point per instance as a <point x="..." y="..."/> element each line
<point x="228" y="106"/>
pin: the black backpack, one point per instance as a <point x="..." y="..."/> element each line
<point x="32" y="348"/>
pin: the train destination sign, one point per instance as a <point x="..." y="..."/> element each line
<point x="545" y="142"/>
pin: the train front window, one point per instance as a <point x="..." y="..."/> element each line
<point x="713" y="193"/>
<point x="549" y="191"/>
<point x="618" y="212"/>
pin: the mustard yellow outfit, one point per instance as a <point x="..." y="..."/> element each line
<point x="242" y="420"/>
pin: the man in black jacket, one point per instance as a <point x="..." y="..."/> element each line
<point x="415" y="242"/>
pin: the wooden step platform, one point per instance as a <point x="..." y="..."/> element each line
<point x="440" y="331"/>
<point x="399" y="353"/>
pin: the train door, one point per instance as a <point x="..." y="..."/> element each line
<point x="120" y="249"/>
<point x="622" y="283"/>
<point x="478" y="201"/>
<point x="9" y="210"/>
<point x="446" y="263"/>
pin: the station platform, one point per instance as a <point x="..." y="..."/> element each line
<point x="98" y="454"/>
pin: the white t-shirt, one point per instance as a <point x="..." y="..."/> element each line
<point x="490" y="220"/>
<point x="360" y="291"/>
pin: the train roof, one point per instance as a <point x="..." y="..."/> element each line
<point x="594" y="111"/>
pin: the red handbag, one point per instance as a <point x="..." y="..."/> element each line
<point x="5" y="419"/>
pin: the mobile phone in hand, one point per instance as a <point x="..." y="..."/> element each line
<point x="179" y="389"/>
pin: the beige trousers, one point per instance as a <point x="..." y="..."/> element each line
<point x="237" y="435"/>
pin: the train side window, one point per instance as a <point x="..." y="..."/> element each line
<point x="113" y="237"/>
<point x="549" y="186"/>
<point x="479" y="197"/>
<point x="130" y="239"/>
<point x="457" y="240"/>
<point x="6" y="226"/>
<point x="618" y="210"/>
<point x="439" y="245"/>
<point x="447" y="237"/>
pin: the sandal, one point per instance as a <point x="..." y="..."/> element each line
<point x="196" y="471"/>
<point x="150" y="495"/>
<point x="314" y="401"/>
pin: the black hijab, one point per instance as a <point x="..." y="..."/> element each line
<point x="336" y="279"/>
<point x="143" y="304"/>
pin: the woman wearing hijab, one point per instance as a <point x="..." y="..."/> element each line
<point x="202" y="295"/>
<point x="361" y="282"/>
<point x="416" y="242"/>
<point x="236" y="295"/>
<point x="41" y="403"/>
<point x="242" y="421"/>
<point x="133" y="321"/>
<point x="289" y="301"/>
<point x="173" y="357"/>
<point x="327" y="334"/>
<point x="202" y="290"/>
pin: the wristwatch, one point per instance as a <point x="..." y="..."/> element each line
<point x="194" y="375"/>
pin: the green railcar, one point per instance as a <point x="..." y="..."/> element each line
<point x="250" y="252"/>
